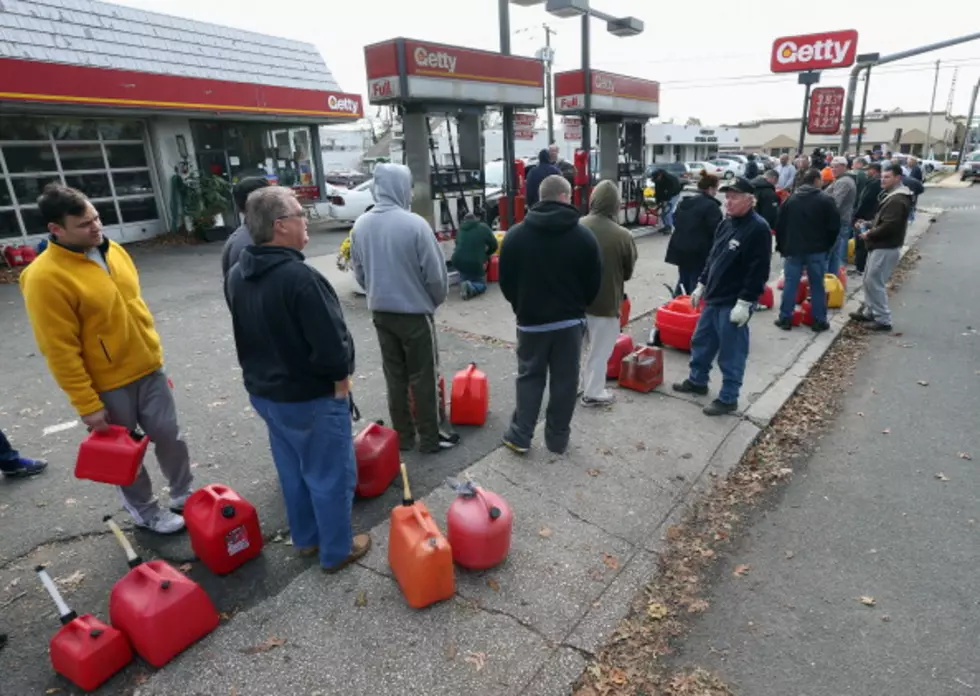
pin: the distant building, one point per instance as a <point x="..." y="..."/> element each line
<point x="344" y="146"/>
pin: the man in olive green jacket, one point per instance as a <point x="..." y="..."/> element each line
<point x="618" y="259"/>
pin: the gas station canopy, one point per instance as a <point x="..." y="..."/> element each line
<point x="612" y="95"/>
<point x="406" y="71"/>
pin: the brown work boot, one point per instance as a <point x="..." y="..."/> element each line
<point x="307" y="551"/>
<point x="359" y="548"/>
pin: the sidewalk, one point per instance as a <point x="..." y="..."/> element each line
<point x="587" y="532"/>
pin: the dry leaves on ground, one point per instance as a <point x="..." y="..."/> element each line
<point x="361" y="599"/>
<point x="610" y="561"/>
<point x="270" y="643"/>
<point x="867" y="600"/>
<point x="70" y="582"/>
<point x="493" y="584"/>
<point x="965" y="455"/>
<point x="942" y="477"/>
<point x="477" y="659"/>
<point x="741" y="569"/>
<point x="545" y="532"/>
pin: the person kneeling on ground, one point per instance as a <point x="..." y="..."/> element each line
<point x="618" y="251"/>
<point x="728" y="289"/>
<point x="884" y="240"/>
<point x="297" y="356"/>
<point x="550" y="271"/>
<point x="806" y="230"/>
<point x="475" y="244"/>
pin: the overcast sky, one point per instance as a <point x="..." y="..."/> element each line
<point x="711" y="57"/>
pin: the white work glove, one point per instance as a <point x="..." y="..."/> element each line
<point x="696" y="295"/>
<point x="741" y="313"/>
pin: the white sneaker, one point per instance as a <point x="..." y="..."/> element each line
<point x="160" y="522"/>
<point x="177" y="503"/>
<point x="604" y="399"/>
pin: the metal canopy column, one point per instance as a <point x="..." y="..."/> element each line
<point x="609" y="149"/>
<point x="417" y="159"/>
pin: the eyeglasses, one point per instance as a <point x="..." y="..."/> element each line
<point x="291" y="215"/>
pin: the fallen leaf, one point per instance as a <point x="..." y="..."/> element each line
<point x="789" y="554"/>
<point x="595" y="670"/>
<point x="640" y="446"/>
<point x="674" y="532"/>
<point x="686" y="455"/>
<point x="886" y="431"/>
<point x="450" y="651"/>
<point x="224" y="616"/>
<point x="594" y="472"/>
<point x="922" y="383"/>
<point x="71" y="581"/>
<point x="942" y="477"/>
<point x="861" y="414"/>
<point x="493" y="584"/>
<point x="697" y="606"/>
<point x="657" y="611"/>
<point x="361" y="599"/>
<point x="617" y="676"/>
<point x="606" y="452"/>
<point x="269" y="644"/>
<point x="867" y="601"/>
<point x="611" y="561"/>
<point x="55" y="690"/>
<point x="185" y="567"/>
<point x="965" y="455"/>
<point x="545" y="532"/>
<point x="886" y="617"/>
<point x="741" y="569"/>
<point x="477" y="659"/>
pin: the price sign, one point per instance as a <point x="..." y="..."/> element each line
<point x="826" y="111"/>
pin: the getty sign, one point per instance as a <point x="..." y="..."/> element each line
<point x="824" y="51"/>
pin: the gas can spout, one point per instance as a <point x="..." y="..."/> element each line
<point x="131" y="557"/>
<point x="64" y="611"/>
<point x="407" y="499"/>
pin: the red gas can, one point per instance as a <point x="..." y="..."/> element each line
<point x="442" y="400"/>
<point x="28" y="254"/>
<point x="85" y="651"/>
<point x="676" y="321"/>
<point x="479" y="525"/>
<point x="642" y="370"/>
<point x="797" y="317"/>
<point x="767" y="299"/>
<point x="842" y="276"/>
<point x="14" y="255"/>
<point x="113" y="456"/>
<point x="470" y="398"/>
<point x="493" y="269"/>
<point x="378" y="458"/>
<point x="161" y="610"/>
<point x="806" y="310"/>
<point x="802" y="290"/>
<point x="622" y="348"/>
<point x="223" y="527"/>
<point x="624" y="311"/>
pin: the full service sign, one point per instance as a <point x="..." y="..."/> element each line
<point x="826" y="111"/>
<point x="825" y="51"/>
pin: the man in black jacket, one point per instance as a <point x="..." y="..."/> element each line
<point x="766" y="200"/>
<point x="806" y="230"/>
<point x="297" y="357"/>
<point x="729" y="287"/>
<point x="538" y="173"/>
<point x="239" y="239"/>
<point x="866" y="209"/>
<point x="751" y="167"/>
<point x="667" y="191"/>
<point x="550" y="271"/>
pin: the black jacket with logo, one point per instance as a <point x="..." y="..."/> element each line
<point x="738" y="266"/>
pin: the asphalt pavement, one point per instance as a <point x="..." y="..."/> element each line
<point x="862" y="578"/>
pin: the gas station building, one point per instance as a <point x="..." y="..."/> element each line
<point x="116" y="101"/>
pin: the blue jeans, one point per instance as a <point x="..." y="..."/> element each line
<point x="716" y="335"/>
<point x="792" y="272"/>
<point x="688" y="277"/>
<point x="478" y="284"/>
<point x="668" y="218"/>
<point x="313" y="449"/>
<point x="8" y="455"/>
<point x="837" y="255"/>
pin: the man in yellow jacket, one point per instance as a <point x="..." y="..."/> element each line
<point x="97" y="335"/>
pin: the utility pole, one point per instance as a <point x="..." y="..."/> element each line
<point x="864" y="108"/>
<point x="503" y="14"/>
<point x="969" y="122"/>
<point x="845" y="140"/>
<point x="549" y="63"/>
<point x="927" y="146"/>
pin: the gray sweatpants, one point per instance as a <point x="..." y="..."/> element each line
<point x="880" y="265"/>
<point x="552" y="358"/>
<point x="149" y="403"/>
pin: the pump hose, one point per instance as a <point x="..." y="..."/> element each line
<point x="435" y="173"/>
<point x="452" y="154"/>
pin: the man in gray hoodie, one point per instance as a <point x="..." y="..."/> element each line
<point x="398" y="262"/>
<point x="844" y="193"/>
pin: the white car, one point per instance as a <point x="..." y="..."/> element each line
<point x="346" y="205"/>
<point x="709" y="167"/>
<point x="727" y="168"/>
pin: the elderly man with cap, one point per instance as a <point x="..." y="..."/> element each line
<point x="729" y="286"/>
<point x="844" y="193"/>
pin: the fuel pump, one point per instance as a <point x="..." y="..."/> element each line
<point x="631" y="168"/>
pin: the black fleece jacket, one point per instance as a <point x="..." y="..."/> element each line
<point x="292" y="341"/>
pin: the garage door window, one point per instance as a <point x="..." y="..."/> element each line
<point x="105" y="159"/>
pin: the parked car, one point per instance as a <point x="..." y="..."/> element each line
<point x="971" y="167"/>
<point x="728" y="168"/>
<point x="708" y="167"/>
<point x="682" y="170"/>
<point x="346" y="205"/>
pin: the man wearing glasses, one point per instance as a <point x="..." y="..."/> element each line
<point x="297" y="357"/>
<point x="97" y="334"/>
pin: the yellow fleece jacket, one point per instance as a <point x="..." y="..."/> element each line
<point x="92" y="326"/>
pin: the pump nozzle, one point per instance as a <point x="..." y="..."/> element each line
<point x="131" y="558"/>
<point x="64" y="611"/>
<point x="407" y="493"/>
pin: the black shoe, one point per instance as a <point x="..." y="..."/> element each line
<point x="878" y="326"/>
<point x="859" y="316"/>
<point x="515" y="448"/>
<point x="446" y="441"/>
<point x="25" y="467"/>
<point x="689" y="387"/>
<point x="819" y="326"/>
<point x="784" y="324"/>
<point x="719" y="408"/>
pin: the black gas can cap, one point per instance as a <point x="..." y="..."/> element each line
<point x="165" y="584"/>
<point x="228" y="511"/>
<point x="95" y="632"/>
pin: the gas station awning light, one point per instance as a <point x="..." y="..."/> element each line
<point x="625" y="26"/>
<point x="567" y="8"/>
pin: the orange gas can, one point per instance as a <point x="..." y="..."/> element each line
<point x="676" y="321"/>
<point x="113" y="456"/>
<point x="624" y="311"/>
<point x="622" y="348"/>
<point x="419" y="555"/>
<point x="470" y="398"/>
<point x="767" y="299"/>
<point x="223" y="527"/>
<point x="642" y="370"/>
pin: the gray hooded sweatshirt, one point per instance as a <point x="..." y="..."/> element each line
<point x="394" y="252"/>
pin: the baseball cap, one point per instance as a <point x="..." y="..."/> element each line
<point x="842" y="161"/>
<point x="739" y="184"/>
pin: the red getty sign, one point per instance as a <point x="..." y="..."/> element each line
<point x="451" y="62"/>
<point x="824" y="51"/>
<point x="572" y="83"/>
<point x="826" y="111"/>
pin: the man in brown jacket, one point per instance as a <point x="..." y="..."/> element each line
<point x="618" y="252"/>
<point x="884" y="240"/>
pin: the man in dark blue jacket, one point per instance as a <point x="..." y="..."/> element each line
<point x="297" y="357"/>
<point x="730" y="285"/>
<point x="539" y="172"/>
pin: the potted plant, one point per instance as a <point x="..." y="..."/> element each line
<point x="205" y="197"/>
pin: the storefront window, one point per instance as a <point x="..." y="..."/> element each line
<point x="106" y="160"/>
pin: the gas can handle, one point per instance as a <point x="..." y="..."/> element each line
<point x="131" y="557"/>
<point x="137" y="434"/>
<point x="64" y="611"/>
